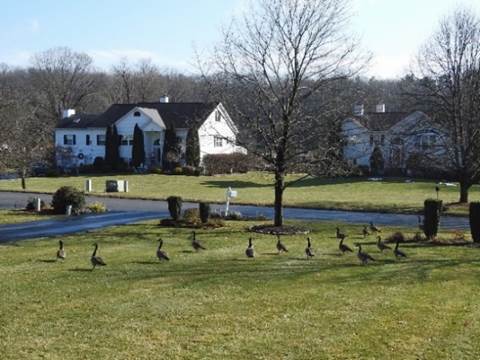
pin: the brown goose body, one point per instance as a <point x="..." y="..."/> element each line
<point x="308" y="250"/>
<point x="95" y="259"/>
<point x="196" y="244"/>
<point x="381" y="245"/>
<point x="280" y="246"/>
<point x="363" y="256"/>
<point x="61" y="253"/>
<point x="344" y="248"/>
<point x="162" y="255"/>
<point x="250" y="252"/>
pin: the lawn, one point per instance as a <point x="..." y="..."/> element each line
<point x="19" y="216"/>
<point x="393" y="195"/>
<point x="220" y="305"/>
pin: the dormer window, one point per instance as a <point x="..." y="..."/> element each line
<point x="137" y="114"/>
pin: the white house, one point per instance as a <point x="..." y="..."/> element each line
<point x="403" y="139"/>
<point x="80" y="138"/>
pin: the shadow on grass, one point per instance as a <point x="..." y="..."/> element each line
<point x="81" y="269"/>
<point x="49" y="261"/>
<point x="146" y="262"/>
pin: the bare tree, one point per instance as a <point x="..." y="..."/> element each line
<point x="62" y="79"/>
<point x="273" y="61"/>
<point x="24" y="140"/>
<point x="449" y="65"/>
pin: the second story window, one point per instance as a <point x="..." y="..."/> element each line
<point x="217" y="141"/>
<point x="69" y="139"/>
<point x="100" y="139"/>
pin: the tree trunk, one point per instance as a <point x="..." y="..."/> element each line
<point x="278" y="206"/>
<point x="464" y="187"/>
<point x="23" y="175"/>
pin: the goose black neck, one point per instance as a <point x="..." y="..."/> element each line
<point x="95" y="250"/>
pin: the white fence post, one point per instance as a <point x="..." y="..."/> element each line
<point x="88" y="185"/>
<point x="38" y="204"/>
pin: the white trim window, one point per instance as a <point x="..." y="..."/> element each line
<point x="217" y="141"/>
<point x="127" y="140"/>
<point x="101" y="140"/>
<point x="69" y="139"/>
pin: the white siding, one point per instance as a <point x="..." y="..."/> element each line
<point x="212" y="128"/>
<point x="90" y="152"/>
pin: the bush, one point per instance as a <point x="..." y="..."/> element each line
<point x="204" y="210"/>
<point x="178" y="171"/>
<point x="99" y="163"/>
<point x="68" y="195"/>
<point x="97" y="208"/>
<point x="175" y="207"/>
<point x="52" y="173"/>
<point x="191" y="216"/>
<point x="31" y="204"/>
<point x="432" y="209"/>
<point x="156" y="170"/>
<point x="234" y="215"/>
<point x="228" y="163"/>
<point x="191" y="171"/>
<point x="475" y="221"/>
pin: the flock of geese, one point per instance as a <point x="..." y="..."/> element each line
<point x="364" y="257"/>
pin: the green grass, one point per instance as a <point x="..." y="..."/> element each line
<point x="394" y="195"/>
<point x="220" y="305"/>
<point x="19" y="216"/>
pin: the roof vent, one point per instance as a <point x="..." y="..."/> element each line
<point x="164" y="99"/>
<point x="358" y="110"/>
<point x="67" y="113"/>
<point x="380" y="108"/>
<point x="76" y="120"/>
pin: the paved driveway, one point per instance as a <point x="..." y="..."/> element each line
<point x="124" y="211"/>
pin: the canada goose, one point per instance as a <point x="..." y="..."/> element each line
<point x="96" y="260"/>
<point x="344" y="248"/>
<point x="374" y="228"/>
<point x="340" y="235"/>
<point x="61" y="253"/>
<point x="381" y="245"/>
<point x="280" y="246"/>
<point x="308" y="249"/>
<point x="363" y="256"/>
<point x="162" y="255"/>
<point x="365" y="231"/>
<point x="250" y="252"/>
<point x="195" y="243"/>
<point x="399" y="253"/>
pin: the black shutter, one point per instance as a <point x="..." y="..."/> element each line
<point x="64" y="139"/>
<point x="74" y="139"/>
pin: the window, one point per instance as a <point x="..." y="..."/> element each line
<point x="156" y="142"/>
<point x="100" y="139"/>
<point x="88" y="141"/>
<point x="126" y="140"/>
<point x="179" y="140"/>
<point x="371" y="139"/>
<point x="382" y="140"/>
<point x="217" y="141"/>
<point x="69" y="139"/>
<point x="218" y="116"/>
<point x="136" y="114"/>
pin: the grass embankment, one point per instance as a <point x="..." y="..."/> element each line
<point x="391" y="195"/>
<point x="220" y="305"/>
<point x="19" y="216"/>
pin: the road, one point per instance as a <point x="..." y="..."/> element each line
<point x="125" y="211"/>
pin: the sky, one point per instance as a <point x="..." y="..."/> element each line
<point x="170" y="31"/>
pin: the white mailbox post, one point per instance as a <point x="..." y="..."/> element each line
<point x="38" y="204"/>
<point x="88" y="185"/>
<point x="231" y="194"/>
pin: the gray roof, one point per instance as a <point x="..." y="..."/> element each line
<point x="380" y="121"/>
<point x="178" y="115"/>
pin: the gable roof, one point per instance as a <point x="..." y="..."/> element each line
<point x="178" y="115"/>
<point x="380" y="121"/>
